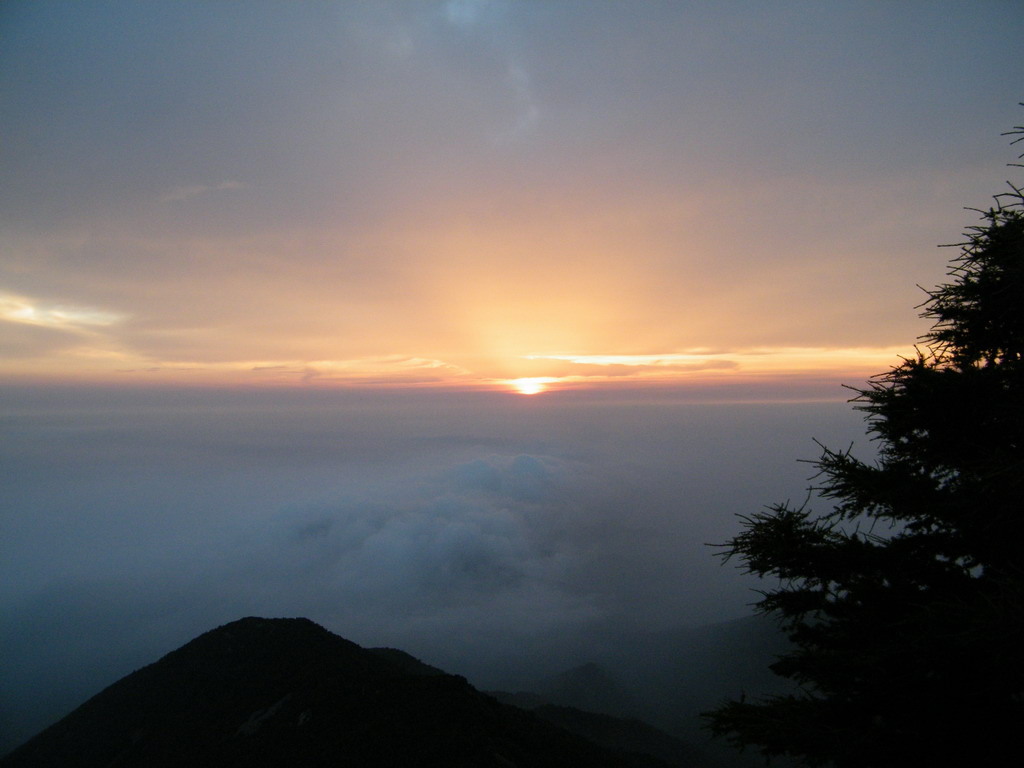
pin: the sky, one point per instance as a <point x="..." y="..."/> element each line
<point x="464" y="193"/>
<point x="275" y="278"/>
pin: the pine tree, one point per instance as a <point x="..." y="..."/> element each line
<point x="904" y="603"/>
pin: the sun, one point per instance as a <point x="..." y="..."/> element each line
<point x="531" y="386"/>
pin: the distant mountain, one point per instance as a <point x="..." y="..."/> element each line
<point x="677" y="674"/>
<point x="664" y="678"/>
<point x="616" y="733"/>
<point x="589" y="687"/>
<point x="271" y="692"/>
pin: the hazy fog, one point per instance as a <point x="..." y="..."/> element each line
<point x="469" y="529"/>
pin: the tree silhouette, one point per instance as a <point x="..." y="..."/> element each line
<point x="905" y="603"/>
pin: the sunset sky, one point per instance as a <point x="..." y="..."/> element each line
<point x="273" y="273"/>
<point x="463" y="193"/>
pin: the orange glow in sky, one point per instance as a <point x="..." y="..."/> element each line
<point x="531" y="386"/>
<point x="452" y="201"/>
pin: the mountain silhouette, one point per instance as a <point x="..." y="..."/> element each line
<point x="270" y="692"/>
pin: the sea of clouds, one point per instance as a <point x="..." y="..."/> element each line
<point x="471" y="530"/>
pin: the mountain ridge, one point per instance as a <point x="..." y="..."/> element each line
<point x="261" y="692"/>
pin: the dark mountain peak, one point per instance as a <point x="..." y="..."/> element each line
<point x="266" y="692"/>
<point x="260" y="641"/>
<point x="256" y="633"/>
<point x="259" y="626"/>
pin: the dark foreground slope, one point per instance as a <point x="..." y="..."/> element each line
<point x="270" y="692"/>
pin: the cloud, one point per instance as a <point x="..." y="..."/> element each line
<point x="757" y="360"/>
<point x="20" y="309"/>
<point x="398" y="370"/>
<point x="427" y="504"/>
<point x="492" y="527"/>
<point x="35" y="333"/>
<point x="462" y="528"/>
